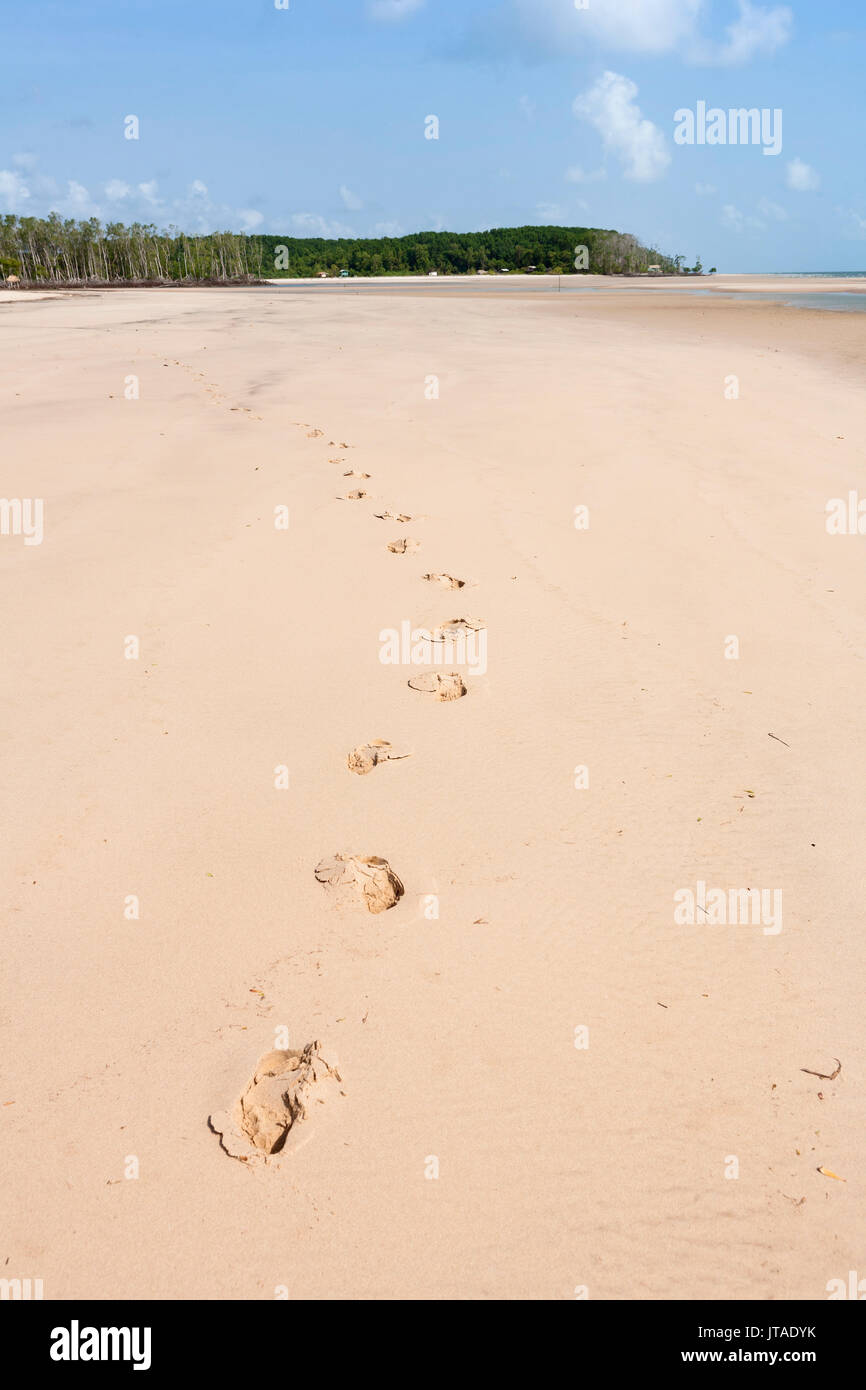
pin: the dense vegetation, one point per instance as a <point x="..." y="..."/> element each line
<point x="53" y="250"/>
<point x="550" y="249"/>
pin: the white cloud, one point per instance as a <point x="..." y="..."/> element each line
<point x="14" y="192"/>
<point x="638" y="144"/>
<point x="802" y="177"/>
<point x="756" y="31"/>
<point x="350" y="199"/>
<point x="632" y="26"/>
<point x="388" y="229"/>
<point x="855" y="224"/>
<point x="393" y="10"/>
<point x="705" y="190"/>
<point x="773" y="210"/>
<point x="75" y="202"/>
<point x="737" y="221"/>
<point x="195" y="211"/>
<point x="577" y="175"/>
<point x="548" y="212"/>
<point x="149" y="192"/>
<point x="652" y="27"/>
<point x="25" y="161"/>
<point x="312" y="224"/>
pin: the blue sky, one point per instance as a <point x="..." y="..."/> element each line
<point x="310" y="120"/>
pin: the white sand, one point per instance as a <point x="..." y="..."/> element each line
<point x="559" y="1167"/>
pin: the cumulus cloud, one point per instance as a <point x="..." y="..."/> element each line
<point x="313" y="224"/>
<point x="630" y="26"/>
<point x="194" y="211"/>
<point x="801" y="177"/>
<point x="651" y="27"/>
<point x="350" y="199"/>
<point x="391" y="11"/>
<point x="639" y="145"/>
<point x="737" y="221"/>
<point x="769" y="209"/>
<point x="577" y="175"/>
<point x="14" y="192"/>
<point x="150" y="192"/>
<point x="77" y="195"/>
<point x="853" y="223"/>
<point x="116" y="190"/>
<point x="757" y="31"/>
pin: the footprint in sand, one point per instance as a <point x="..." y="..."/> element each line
<point x="405" y="546"/>
<point x="353" y="496"/>
<point x="354" y="473"/>
<point x="448" y="686"/>
<point x="371" y="877"/>
<point x="315" y="434"/>
<point x="276" y="1103"/>
<point x="452" y="629"/>
<point x="446" y="581"/>
<point x="400" y="517"/>
<point x="368" y="755"/>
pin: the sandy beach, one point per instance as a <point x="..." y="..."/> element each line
<point x="547" y="1083"/>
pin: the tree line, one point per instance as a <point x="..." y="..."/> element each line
<point x="62" y="251"/>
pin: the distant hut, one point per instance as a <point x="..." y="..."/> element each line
<point x="12" y="282"/>
<point x="654" y="270"/>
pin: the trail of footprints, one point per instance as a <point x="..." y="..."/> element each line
<point x="263" y="1125"/>
<point x="211" y="389"/>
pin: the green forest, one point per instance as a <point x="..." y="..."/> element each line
<point x="60" y="251"/>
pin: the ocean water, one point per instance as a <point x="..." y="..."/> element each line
<point x="839" y="301"/>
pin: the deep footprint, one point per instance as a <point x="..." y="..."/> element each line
<point x="405" y="546"/>
<point x="276" y="1102"/>
<point x="371" y="877"/>
<point x="448" y="686"/>
<point x="368" y="755"/>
